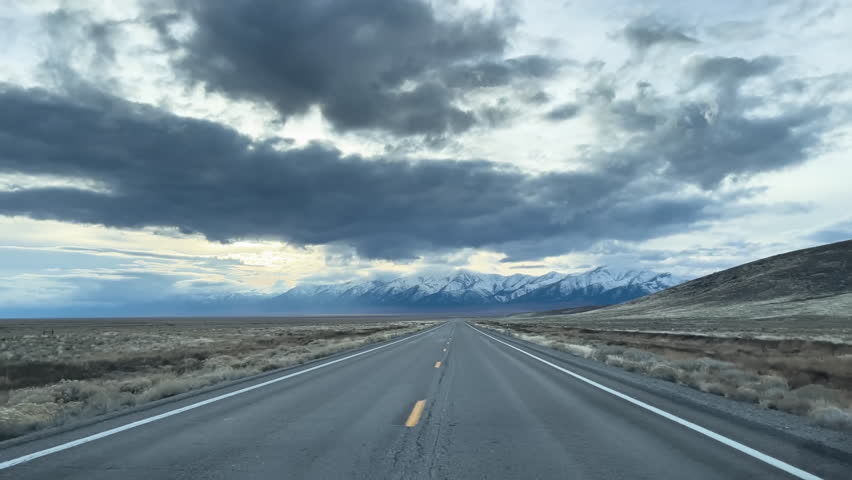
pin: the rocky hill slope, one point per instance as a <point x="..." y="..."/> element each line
<point x="811" y="282"/>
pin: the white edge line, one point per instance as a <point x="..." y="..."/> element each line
<point x="799" y="473"/>
<point x="138" y="423"/>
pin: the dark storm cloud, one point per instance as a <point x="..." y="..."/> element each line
<point x="704" y="146"/>
<point x="703" y="142"/>
<point x="708" y="142"/>
<point x="500" y="73"/>
<point x="635" y="214"/>
<point x="646" y="32"/>
<point x="394" y="66"/>
<point x="495" y="115"/>
<point x="729" y="73"/>
<point x="564" y="112"/>
<point x="538" y="98"/>
<point x="630" y="116"/>
<point x="199" y="176"/>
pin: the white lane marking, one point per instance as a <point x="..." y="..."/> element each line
<point x="113" y="431"/>
<point x="796" y="472"/>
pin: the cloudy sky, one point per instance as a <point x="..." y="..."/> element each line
<point x="195" y="147"/>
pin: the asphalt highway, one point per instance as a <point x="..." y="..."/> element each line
<point x="453" y="402"/>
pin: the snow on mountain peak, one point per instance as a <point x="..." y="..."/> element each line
<point x="601" y="285"/>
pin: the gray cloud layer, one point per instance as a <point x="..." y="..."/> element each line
<point x="399" y="69"/>
<point x="369" y="65"/>
<point x="704" y="142"/>
<point x="646" y="32"/>
<point x="563" y="112"/>
<point x="164" y="170"/>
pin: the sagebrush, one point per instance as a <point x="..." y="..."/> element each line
<point x="49" y="378"/>
<point x="772" y="379"/>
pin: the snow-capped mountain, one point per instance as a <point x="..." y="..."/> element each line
<point x="466" y="289"/>
<point x="450" y="292"/>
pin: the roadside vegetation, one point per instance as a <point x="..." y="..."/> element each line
<point x="796" y="375"/>
<point x="50" y="376"/>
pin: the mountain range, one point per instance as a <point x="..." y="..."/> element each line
<point x="467" y="290"/>
<point x="803" y="284"/>
<point x="452" y="291"/>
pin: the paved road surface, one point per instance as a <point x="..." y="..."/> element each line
<point x="487" y="410"/>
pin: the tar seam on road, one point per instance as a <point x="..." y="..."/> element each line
<point x="796" y="472"/>
<point x="414" y="417"/>
<point x="138" y="423"/>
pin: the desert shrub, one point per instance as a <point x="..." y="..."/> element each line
<point x="585" y="351"/>
<point x="167" y="388"/>
<point x="735" y="376"/>
<point x="745" y="394"/>
<point x="219" y="361"/>
<point x="637" y="355"/>
<point x="31" y="395"/>
<point x="819" y="393"/>
<point x="135" y="385"/>
<point x="772" y="394"/>
<point x="708" y="386"/>
<point x="614" y="360"/>
<point x="804" y="400"/>
<point x="663" y="371"/>
<point x="703" y="364"/>
<point x="104" y="400"/>
<point x="788" y="403"/>
<point x="832" y="417"/>
<point x="602" y="352"/>
<point x="772" y="383"/>
<point x="189" y="364"/>
<point x="25" y="417"/>
<point x="621" y="362"/>
<point x="68" y="391"/>
<point x="746" y="381"/>
<point x="537" y="339"/>
<point x="131" y="370"/>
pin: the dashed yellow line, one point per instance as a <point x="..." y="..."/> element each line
<point x="414" y="417"/>
<point x="437" y="364"/>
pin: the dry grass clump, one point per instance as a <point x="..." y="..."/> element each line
<point x="770" y="385"/>
<point x="48" y="380"/>
<point x="833" y="328"/>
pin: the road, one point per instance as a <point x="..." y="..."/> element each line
<point x="492" y="408"/>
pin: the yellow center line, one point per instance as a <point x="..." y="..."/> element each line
<point x="414" y="417"/>
<point x="437" y="364"/>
